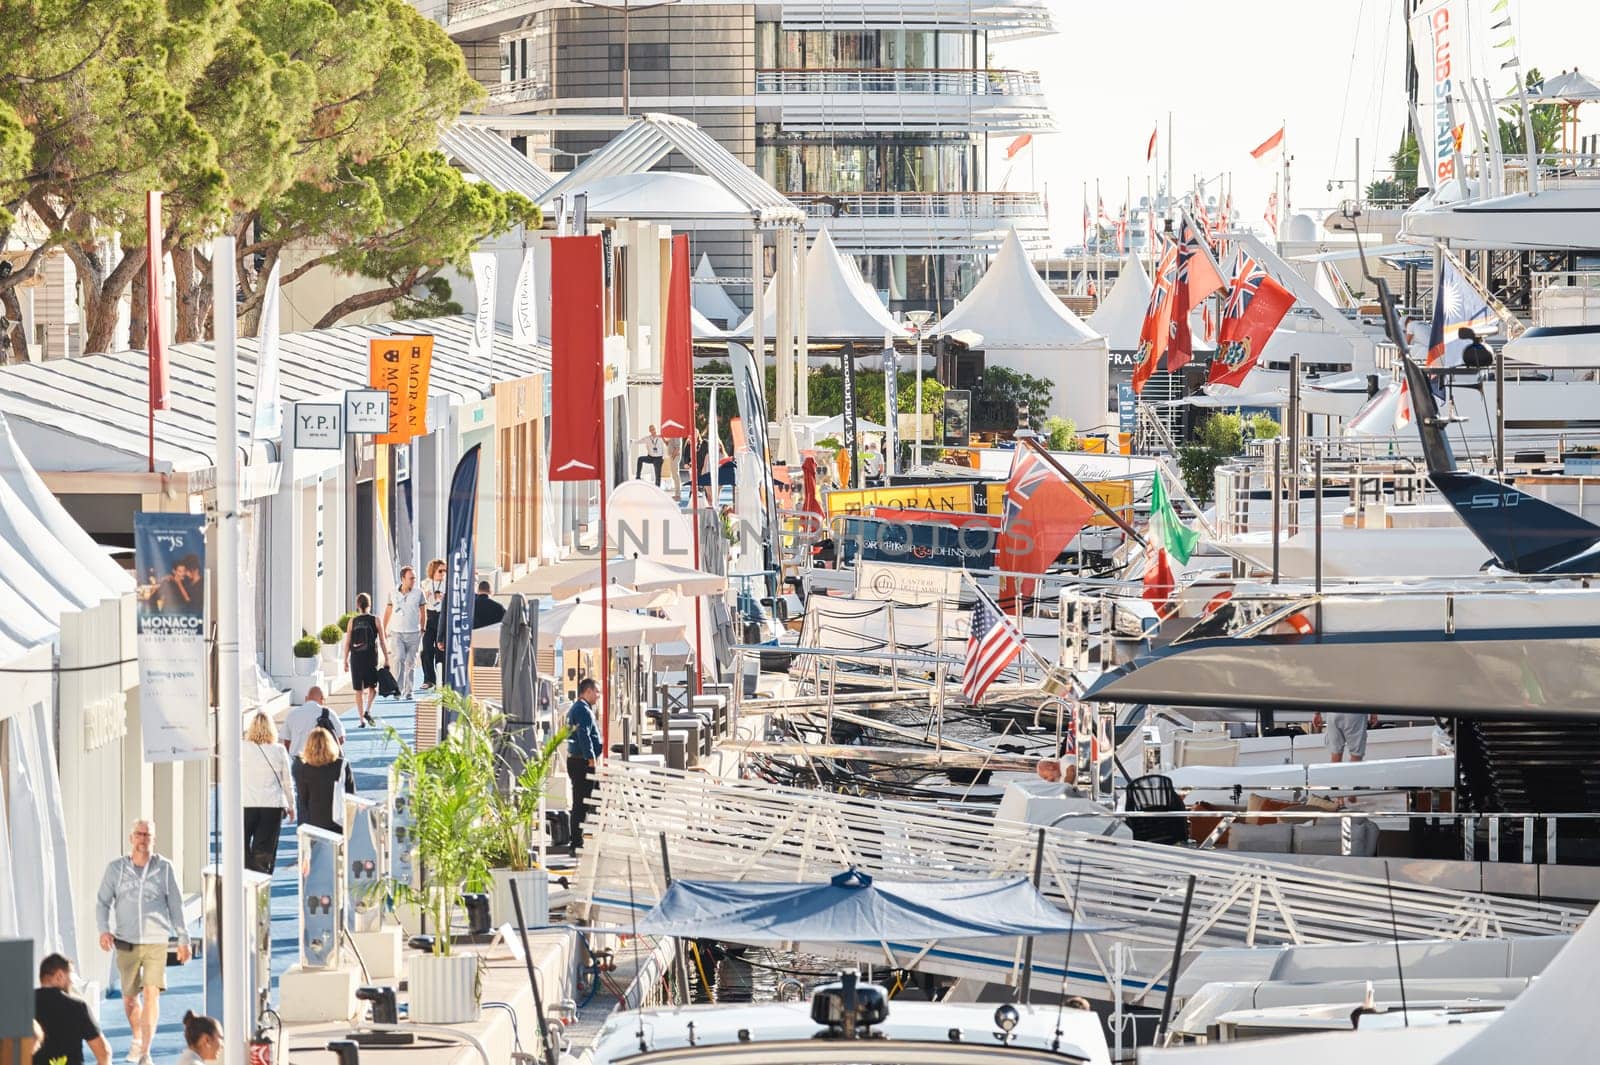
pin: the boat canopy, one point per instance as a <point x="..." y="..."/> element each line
<point x="854" y="908"/>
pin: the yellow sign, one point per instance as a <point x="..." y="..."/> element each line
<point x="955" y="498"/>
<point x="1118" y="495"/>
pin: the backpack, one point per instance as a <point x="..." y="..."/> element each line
<point x="325" y="720"/>
<point x="361" y="633"/>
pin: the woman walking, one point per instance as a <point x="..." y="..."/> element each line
<point x="268" y="793"/>
<point x="363" y="642"/>
<point x="432" y="602"/>
<point x="319" y="773"/>
<point x="404" y="619"/>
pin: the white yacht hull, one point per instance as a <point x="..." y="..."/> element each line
<point x="1556" y="218"/>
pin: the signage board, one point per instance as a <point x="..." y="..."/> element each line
<point x="910" y="585"/>
<point x="1127" y="407"/>
<point x="957" y="417"/>
<point x="953" y="497"/>
<point x="366" y="410"/>
<point x="316" y="426"/>
<point x="917" y="543"/>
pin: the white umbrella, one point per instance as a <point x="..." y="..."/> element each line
<point x="645" y="575"/>
<point x="621" y="597"/>
<point x="577" y="626"/>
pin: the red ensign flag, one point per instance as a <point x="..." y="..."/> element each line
<point x="677" y="357"/>
<point x="1267" y="145"/>
<point x="577" y="363"/>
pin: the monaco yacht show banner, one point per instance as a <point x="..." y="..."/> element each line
<point x="170" y="560"/>
<point x="456" y="623"/>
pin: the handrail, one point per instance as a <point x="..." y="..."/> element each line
<point x="937" y="82"/>
<point x="986" y="205"/>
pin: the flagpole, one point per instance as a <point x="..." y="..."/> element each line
<point x="1093" y="497"/>
<point x="605" y="591"/>
<point x="694" y="521"/>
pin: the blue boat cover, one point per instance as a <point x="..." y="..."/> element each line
<point x="854" y="908"/>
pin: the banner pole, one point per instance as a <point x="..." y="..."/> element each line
<point x="699" y="560"/>
<point x="605" y="598"/>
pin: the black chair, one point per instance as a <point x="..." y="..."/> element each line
<point x="1155" y="794"/>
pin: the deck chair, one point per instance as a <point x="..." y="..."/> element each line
<point x="1154" y="793"/>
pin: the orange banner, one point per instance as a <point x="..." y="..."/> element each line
<point x="399" y="365"/>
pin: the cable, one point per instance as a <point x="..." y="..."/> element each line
<point x="69" y="669"/>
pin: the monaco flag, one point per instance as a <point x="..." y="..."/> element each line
<point x="677" y="363"/>
<point x="1153" y="334"/>
<point x="1253" y="309"/>
<point x="577" y="374"/>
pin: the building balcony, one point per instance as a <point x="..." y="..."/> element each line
<point x="510" y="94"/>
<point x="992" y="101"/>
<point x="927" y="222"/>
<point x="1001" y="19"/>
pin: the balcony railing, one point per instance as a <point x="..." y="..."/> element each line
<point x="997" y="206"/>
<point x="523" y="91"/>
<point x="930" y="82"/>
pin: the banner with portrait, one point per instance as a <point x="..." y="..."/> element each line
<point x="170" y="560"/>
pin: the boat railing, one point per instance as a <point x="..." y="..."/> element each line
<point x="1566" y="297"/>
<point x="1354" y="475"/>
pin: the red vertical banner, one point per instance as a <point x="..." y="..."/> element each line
<point x="677" y="358"/>
<point x="577" y="365"/>
<point x="155" y="289"/>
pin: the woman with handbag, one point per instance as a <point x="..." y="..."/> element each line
<point x="363" y="642"/>
<point x="321" y="780"/>
<point x="432" y="603"/>
<point x="268" y="794"/>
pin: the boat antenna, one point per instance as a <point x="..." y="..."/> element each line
<point x="1066" y="966"/>
<point x="633" y="918"/>
<point x="1163" y="1028"/>
<point x="1394" y="930"/>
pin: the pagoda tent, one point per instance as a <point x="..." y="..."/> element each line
<point x="839" y="305"/>
<point x="1120" y="315"/>
<point x="1015" y="320"/>
<point x="710" y="298"/>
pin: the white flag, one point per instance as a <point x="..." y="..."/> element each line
<point x="524" y="305"/>
<point x="266" y="422"/>
<point x="483" y="324"/>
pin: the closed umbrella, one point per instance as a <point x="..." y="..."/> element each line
<point x="644" y="575"/>
<point x="518" y="690"/>
<point x="810" y="501"/>
<point x="577" y="626"/>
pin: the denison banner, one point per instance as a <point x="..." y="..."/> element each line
<point x="170" y="561"/>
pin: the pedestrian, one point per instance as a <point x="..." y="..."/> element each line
<point x="405" y="618"/>
<point x="202" y="1038"/>
<point x="486" y="609"/>
<point x="67" y="1020"/>
<point x="363" y="642"/>
<point x="652" y="452"/>
<point x="139" y="911"/>
<point x="1346" y="734"/>
<point x="583" y="747"/>
<point x="307" y="716"/>
<point x="268" y="793"/>
<point x="319" y="773"/>
<point x="872" y="466"/>
<point x="675" y="465"/>
<point x="432" y="603"/>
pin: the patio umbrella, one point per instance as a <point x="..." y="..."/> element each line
<point x="577" y="626"/>
<point x="809" y="500"/>
<point x="645" y="575"/>
<point x="518" y="687"/>
<point x="621" y="597"/>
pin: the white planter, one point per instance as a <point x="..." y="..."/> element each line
<point x="331" y="653"/>
<point x="304" y="667"/>
<point x="300" y="684"/>
<point x="533" y="888"/>
<point x="444" y="990"/>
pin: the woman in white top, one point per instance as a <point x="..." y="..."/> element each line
<point x="404" y="619"/>
<point x="432" y="603"/>
<point x="202" y="1037"/>
<point x="268" y="787"/>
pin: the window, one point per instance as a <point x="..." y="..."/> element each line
<point x="644" y="57"/>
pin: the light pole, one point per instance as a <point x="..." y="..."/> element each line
<point x="627" y="38"/>
<point x="919" y="321"/>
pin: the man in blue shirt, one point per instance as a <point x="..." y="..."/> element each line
<point x="583" y="747"/>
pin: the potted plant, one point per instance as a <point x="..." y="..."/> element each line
<point x="306" y="674"/>
<point x="453" y="840"/>
<point x="516" y="811"/>
<point x="331" y="636"/>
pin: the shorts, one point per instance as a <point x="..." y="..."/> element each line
<point x="1348" y="733"/>
<point x="140" y="966"/>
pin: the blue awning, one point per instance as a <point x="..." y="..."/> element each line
<point x="853" y="908"/>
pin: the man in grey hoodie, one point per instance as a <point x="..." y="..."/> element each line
<point x="139" y="910"/>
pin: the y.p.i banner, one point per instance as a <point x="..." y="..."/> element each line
<point x="170" y="559"/>
<point x="399" y="365"/>
<point x="461" y="522"/>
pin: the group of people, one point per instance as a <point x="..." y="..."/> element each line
<point x="63" y="1024"/>
<point x="179" y="592"/>
<point x="303" y="777"/>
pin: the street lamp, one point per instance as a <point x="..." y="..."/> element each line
<point x="919" y="321"/>
<point x="628" y="7"/>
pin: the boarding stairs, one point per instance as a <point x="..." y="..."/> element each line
<point x="1542" y="769"/>
<point x="718" y="830"/>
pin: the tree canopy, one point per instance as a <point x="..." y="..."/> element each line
<point x="304" y="124"/>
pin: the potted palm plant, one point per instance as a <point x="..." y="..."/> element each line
<point x="516" y="812"/>
<point x="453" y="840"/>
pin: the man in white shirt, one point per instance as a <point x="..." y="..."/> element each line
<point x="872" y="466"/>
<point x="302" y="719"/>
<point x="652" y="452"/>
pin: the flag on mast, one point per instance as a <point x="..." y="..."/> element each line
<point x="1436" y="327"/>
<point x="155" y="294"/>
<point x="677" y="363"/>
<point x="1155" y="332"/>
<point x="993" y="643"/>
<point x="1165" y="529"/>
<point x="1043" y="513"/>
<point x="1150" y="150"/>
<point x="1274" y="141"/>
<point x="1018" y="144"/>
<point x="1254" y="307"/>
<point x="1197" y="278"/>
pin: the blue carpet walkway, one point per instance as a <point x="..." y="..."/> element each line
<point x="370" y="753"/>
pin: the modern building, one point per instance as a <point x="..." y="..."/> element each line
<point x="876" y="117"/>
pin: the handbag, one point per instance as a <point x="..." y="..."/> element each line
<point x="387" y="685"/>
<point x="283" y="787"/>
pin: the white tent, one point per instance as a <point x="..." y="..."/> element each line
<point x="576" y="626"/>
<point x="1121" y="314"/>
<point x="710" y="298"/>
<point x="839" y="305"/>
<point x="701" y="328"/>
<point x="1021" y="325"/>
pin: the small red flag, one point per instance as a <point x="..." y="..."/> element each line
<point x="1155" y="332"/>
<point x="1159" y="584"/>
<point x="1196" y="279"/>
<point x="677" y="356"/>
<point x="155" y="290"/>
<point x="1043" y="513"/>
<point x="1150" y="150"/>
<point x="1267" y="145"/>
<point x="577" y="364"/>
<point x="1017" y="145"/>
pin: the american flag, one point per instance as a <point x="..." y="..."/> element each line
<point x="994" y="644"/>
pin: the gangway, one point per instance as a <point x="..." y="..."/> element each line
<point x="722" y="830"/>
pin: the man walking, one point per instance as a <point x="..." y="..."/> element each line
<point x="583" y="747"/>
<point x="67" y="1020"/>
<point x="139" y="910"/>
<point x="307" y="716"/>
<point x="652" y="452"/>
<point x="404" y="619"/>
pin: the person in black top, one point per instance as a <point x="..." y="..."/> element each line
<point x="318" y="773"/>
<point x="486" y="610"/>
<point x="67" y="1020"/>
<point x="363" y="642"/>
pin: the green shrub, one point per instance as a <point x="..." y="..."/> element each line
<point x="1263" y="427"/>
<point x="331" y="634"/>
<point x="344" y="620"/>
<point x="1063" y="433"/>
<point x="307" y="647"/>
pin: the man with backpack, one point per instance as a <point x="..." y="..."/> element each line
<point x="309" y="715"/>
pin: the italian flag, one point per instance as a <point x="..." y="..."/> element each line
<point x="1165" y="529"/>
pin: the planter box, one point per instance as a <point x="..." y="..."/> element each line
<point x="331" y="654"/>
<point x="301" y="684"/>
<point x="533" y="888"/>
<point x="444" y="989"/>
<point x="304" y="667"/>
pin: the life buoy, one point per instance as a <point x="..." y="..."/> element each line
<point x="1216" y="602"/>
<point x="1301" y="624"/>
